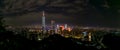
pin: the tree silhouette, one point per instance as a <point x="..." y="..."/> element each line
<point x="2" y="26"/>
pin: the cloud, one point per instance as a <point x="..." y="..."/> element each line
<point x="19" y="7"/>
<point x="73" y="11"/>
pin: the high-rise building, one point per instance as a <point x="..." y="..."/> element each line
<point x="53" y="26"/>
<point x="43" y="22"/>
<point x="65" y="26"/>
<point x="57" y="29"/>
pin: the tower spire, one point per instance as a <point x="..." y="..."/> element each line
<point x="43" y="13"/>
<point x="43" y="22"/>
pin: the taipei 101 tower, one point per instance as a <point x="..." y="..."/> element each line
<point x="43" y="22"/>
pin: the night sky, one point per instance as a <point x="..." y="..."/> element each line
<point x="103" y="13"/>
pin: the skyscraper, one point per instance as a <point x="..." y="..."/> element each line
<point x="53" y="26"/>
<point x="43" y="22"/>
<point x="57" y="29"/>
<point x="65" y="26"/>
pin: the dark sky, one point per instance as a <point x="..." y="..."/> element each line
<point x="104" y="13"/>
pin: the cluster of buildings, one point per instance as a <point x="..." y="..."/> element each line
<point x="54" y="28"/>
<point x="38" y="32"/>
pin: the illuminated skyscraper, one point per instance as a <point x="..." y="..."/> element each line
<point x="53" y="26"/>
<point x="57" y="29"/>
<point x="65" y="26"/>
<point x="43" y="22"/>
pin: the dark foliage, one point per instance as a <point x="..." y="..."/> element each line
<point x="112" y="41"/>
